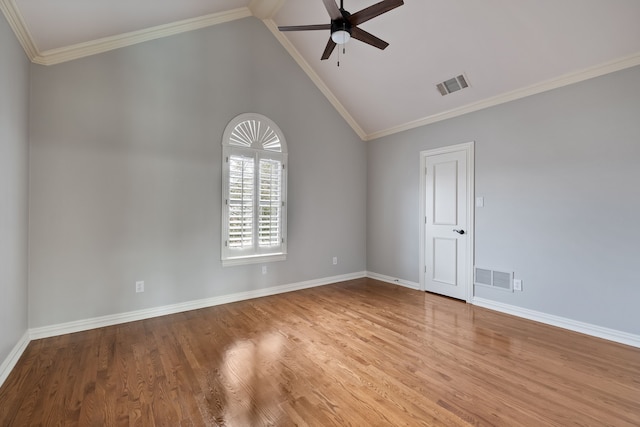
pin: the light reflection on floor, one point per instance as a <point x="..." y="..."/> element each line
<point x="249" y="398"/>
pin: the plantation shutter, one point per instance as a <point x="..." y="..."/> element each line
<point x="241" y="201"/>
<point x="254" y="213"/>
<point x="270" y="203"/>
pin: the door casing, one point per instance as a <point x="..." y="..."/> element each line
<point x="469" y="147"/>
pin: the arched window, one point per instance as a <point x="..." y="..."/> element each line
<point x="254" y="192"/>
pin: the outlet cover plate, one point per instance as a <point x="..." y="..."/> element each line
<point x="517" y="284"/>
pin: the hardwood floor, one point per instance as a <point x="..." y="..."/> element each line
<point x="361" y="353"/>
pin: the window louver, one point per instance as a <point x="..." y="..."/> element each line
<point x="270" y="205"/>
<point x="241" y="196"/>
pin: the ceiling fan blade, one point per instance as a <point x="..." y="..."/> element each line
<point x="305" y="27"/>
<point x="327" y="50"/>
<point x="368" y="38"/>
<point x="372" y="11"/>
<point x="333" y="9"/>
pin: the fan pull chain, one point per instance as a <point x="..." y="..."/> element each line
<point x="344" y="50"/>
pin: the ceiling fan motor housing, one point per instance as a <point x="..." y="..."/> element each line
<point x="342" y="24"/>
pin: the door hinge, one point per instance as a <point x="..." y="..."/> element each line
<point x="226" y="243"/>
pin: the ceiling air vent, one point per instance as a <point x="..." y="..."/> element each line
<point x="452" y="85"/>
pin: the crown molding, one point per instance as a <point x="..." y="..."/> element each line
<point x="271" y="25"/>
<point x="265" y="9"/>
<point x="555" y="83"/>
<point x="16" y="22"/>
<point x="81" y="50"/>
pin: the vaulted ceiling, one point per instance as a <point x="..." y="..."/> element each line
<point x="506" y="49"/>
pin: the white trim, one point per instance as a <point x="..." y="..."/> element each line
<point x="393" y="280"/>
<point x="115" y="319"/>
<point x="17" y="24"/>
<point x="315" y="78"/>
<point x="82" y="325"/>
<point x="555" y="83"/>
<point x="105" y="44"/>
<point x="265" y="9"/>
<point x="80" y="50"/>
<point x="561" y="322"/>
<point x="256" y="150"/>
<point x="253" y="259"/>
<point x="469" y="147"/>
<point x="10" y="362"/>
<point x="536" y="316"/>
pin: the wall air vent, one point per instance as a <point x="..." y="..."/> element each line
<point x="452" y="85"/>
<point x="493" y="279"/>
<point x="483" y="277"/>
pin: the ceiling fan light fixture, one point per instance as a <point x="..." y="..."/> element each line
<point x="344" y="25"/>
<point x="340" y="36"/>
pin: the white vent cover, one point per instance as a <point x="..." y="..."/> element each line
<point x="501" y="280"/>
<point x="483" y="277"/>
<point x="454" y="84"/>
<point x="493" y="279"/>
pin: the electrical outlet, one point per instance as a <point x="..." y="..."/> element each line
<point x="139" y="286"/>
<point x="517" y="284"/>
<point x="264" y="269"/>
<point x="335" y="260"/>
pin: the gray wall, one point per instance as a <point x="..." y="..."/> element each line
<point x="14" y="96"/>
<point x="126" y="173"/>
<point x="560" y="177"/>
<point x="125" y="183"/>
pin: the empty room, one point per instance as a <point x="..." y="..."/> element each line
<point x="319" y="212"/>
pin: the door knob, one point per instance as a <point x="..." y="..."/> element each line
<point x="459" y="231"/>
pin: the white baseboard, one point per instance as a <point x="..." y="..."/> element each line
<point x="393" y="280"/>
<point x="98" y="322"/>
<point x="115" y="319"/>
<point x="549" y="319"/>
<point x="82" y="325"/>
<point x="561" y="322"/>
<point x="10" y="362"/>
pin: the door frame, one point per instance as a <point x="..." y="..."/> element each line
<point x="469" y="147"/>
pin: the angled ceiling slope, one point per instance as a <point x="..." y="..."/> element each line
<point x="503" y="50"/>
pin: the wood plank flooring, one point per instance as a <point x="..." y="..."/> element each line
<point x="360" y="353"/>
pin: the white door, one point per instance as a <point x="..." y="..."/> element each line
<point x="447" y="238"/>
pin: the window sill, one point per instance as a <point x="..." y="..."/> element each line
<point x="254" y="259"/>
